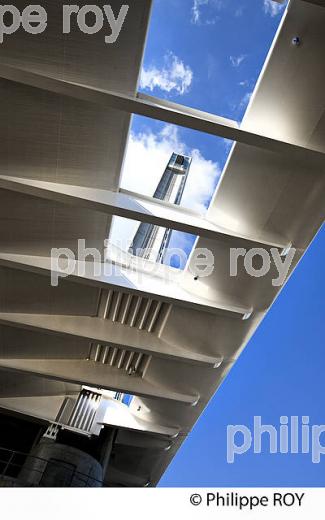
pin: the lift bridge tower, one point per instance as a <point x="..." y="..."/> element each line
<point x="151" y="242"/>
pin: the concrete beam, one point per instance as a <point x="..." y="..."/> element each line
<point x="137" y="207"/>
<point x="162" y="110"/>
<point x="107" y="333"/>
<point x="88" y="373"/>
<point x="129" y="423"/>
<point x="126" y="279"/>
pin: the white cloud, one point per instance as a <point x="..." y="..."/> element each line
<point x="149" y="153"/>
<point x="196" y="10"/>
<point x="228" y="144"/>
<point x="272" y="8"/>
<point x="237" y="60"/>
<point x="146" y="158"/>
<point x="174" y="76"/>
<point x="239" y="12"/>
<point x="197" y="7"/>
<point x="245" y="100"/>
<point x="244" y="83"/>
<point x="239" y="107"/>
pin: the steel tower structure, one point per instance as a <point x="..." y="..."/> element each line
<point x="150" y="241"/>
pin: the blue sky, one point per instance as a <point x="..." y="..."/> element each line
<point x="280" y="373"/>
<point x="208" y="54"/>
<point x="224" y="49"/>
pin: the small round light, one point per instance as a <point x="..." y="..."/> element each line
<point x="296" y="41"/>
